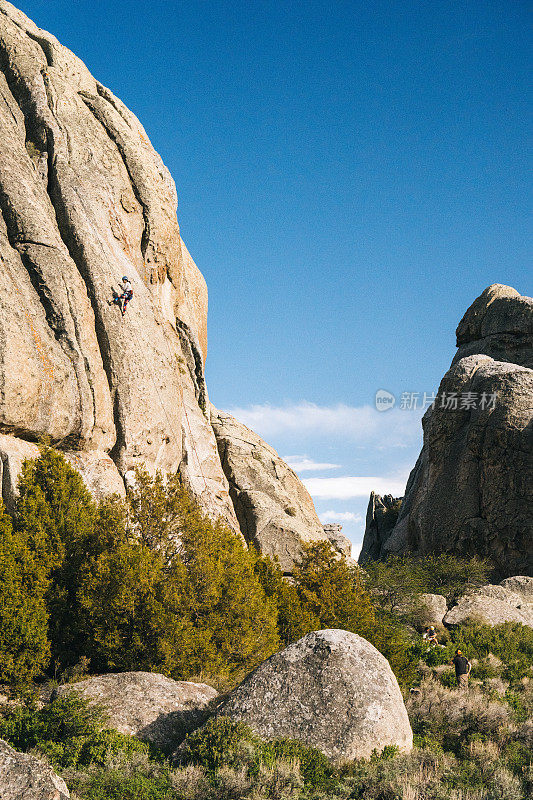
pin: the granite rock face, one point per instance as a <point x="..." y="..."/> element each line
<point x="499" y="324"/>
<point x="338" y="540"/>
<point x="520" y="585"/>
<point x="471" y="491"/>
<point x="274" y="509"/>
<point x="147" y="705"/>
<point x="84" y="200"/>
<point x="331" y="690"/>
<point x="24" y="777"/>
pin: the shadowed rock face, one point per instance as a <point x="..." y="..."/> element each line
<point x="471" y="491"/>
<point x="381" y="517"/>
<point x="331" y="690"/>
<point x="24" y="777"/>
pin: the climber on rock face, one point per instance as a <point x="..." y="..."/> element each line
<point x="122" y="300"/>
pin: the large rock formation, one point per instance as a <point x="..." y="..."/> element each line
<point x="147" y="705"/>
<point x="471" y="490"/>
<point x="84" y="200"/>
<point x="332" y="690"/>
<point x="274" y="509"/>
<point x="24" y="777"/>
<point x="381" y="517"/>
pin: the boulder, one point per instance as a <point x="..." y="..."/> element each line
<point x="274" y="509"/>
<point x="488" y="611"/>
<point x="331" y="690"/>
<point x="520" y="585"/>
<point x="431" y="609"/>
<point x="499" y="324"/>
<point x="500" y="593"/>
<point x="24" y="777"/>
<point x="147" y="705"/>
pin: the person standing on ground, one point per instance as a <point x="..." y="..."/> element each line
<point x="462" y="669"/>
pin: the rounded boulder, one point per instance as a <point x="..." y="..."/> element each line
<point x="331" y="690"/>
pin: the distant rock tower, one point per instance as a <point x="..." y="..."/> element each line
<point x="339" y="541"/>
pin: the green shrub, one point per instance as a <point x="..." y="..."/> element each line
<point x="219" y="742"/>
<point x="511" y="642"/>
<point x="59" y="729"/>
<point x="100" y="747"/>
<point x="225" y="742"/>
<point x="315" y="767"/>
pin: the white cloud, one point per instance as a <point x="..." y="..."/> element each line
<point x="305" y="464"/>
<point x="363" y="424"/>
<point x="348" y="486"/>
<point x="341" y="516"/>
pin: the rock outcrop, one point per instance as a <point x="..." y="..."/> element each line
<point x="499" y="324"/>
<point x="24" y="777"/>
<point x="84" y="200"/>
<point x="147" y="705"/>
<point x="381" y="517"/>
<point x="471" y="492"/>
<point x="510" y="601"/>
<point x="331" y="690"/>
<point x="488" y="611"/>
<point x="274" y="509"/>
<point x="338" y="540"/>
<point x="520" y="585"/>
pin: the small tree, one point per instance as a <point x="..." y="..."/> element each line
<point x="136" y="611"/>
<point x="334" y="592"/>
<point x="59" y="517"/>
<point x="177" y="592"/>
<point x="229" y="604"/>
<point x="24" y="646"/>
<point x="294" y="620"/>
<point x="396" y="583"/>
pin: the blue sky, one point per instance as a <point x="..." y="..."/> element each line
<point x="351" y="175"/>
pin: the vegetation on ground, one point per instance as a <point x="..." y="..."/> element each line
<point x="150" y="583"/>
